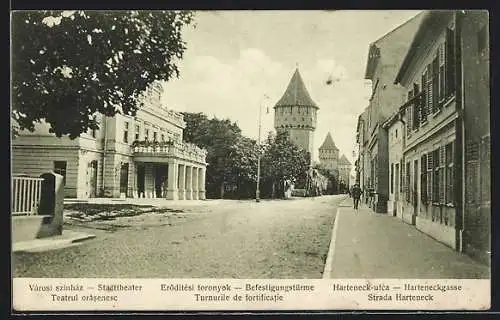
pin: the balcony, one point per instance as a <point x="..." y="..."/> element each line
<point x="146" y="151"/>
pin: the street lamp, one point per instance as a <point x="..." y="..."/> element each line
<point x="257" y="189"/>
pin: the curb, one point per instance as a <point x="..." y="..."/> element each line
<point x="327" y="271"/>
<point x="48" y="244"/>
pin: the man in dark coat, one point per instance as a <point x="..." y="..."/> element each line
<point x="356" y="194"/>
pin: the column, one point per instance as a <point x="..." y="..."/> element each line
<point x="182" y="181"/>
<point x="201" y="183"/>
<point x="195" y="183"/>
<point x="172" y="191"/>
<point x="189" y="182"/>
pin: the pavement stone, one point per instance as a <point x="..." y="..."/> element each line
<point x="371" y="245"/>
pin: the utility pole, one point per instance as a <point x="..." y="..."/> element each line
<point x="257" y="189"/>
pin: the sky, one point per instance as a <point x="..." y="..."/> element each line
<point x="234" y="59"/>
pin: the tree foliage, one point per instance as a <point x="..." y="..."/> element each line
<point x="283" y="160"/>
<point x="231" y="157"/>
<point x="66" y="66"/>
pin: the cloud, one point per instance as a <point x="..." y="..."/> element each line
<point x="235" y="89"/>
<point x="228" y="89"/>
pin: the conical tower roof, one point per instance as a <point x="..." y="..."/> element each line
<point x="343" y="160"/>
<point x="296" y="93"/>
<point x="328" y="144"/>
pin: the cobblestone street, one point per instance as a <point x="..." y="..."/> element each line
<point x="235" y="239"/>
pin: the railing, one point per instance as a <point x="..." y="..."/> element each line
<point x="180" y="149"/>
<point x="26" y="192"/>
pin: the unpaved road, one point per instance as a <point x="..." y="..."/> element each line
<point x="237" y="239"/>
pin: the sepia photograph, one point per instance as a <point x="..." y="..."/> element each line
<point x="306" y="145"/>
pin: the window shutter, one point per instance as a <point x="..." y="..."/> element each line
<point x="429" y="88"/>
<point x="417" y="115"/>
<point x="441" y="55"/>
<point x="409" y="112"/>
<point x="429" y="176"/>
<point x="450" y="61"/>
<point x="423" y="99"/>
<point x="435" y="84"/>
<point x="442" y="162"/>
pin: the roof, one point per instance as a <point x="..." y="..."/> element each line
<point x="343" y="160"/>
<point x="328" y="144"/>
<point x="428" y="22"/>
<point x="374" y="50"/>
<point x="296" y="93"/>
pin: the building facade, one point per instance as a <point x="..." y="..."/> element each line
<point x="384" y="59"/>
<point x="141" y="156"/>
<point x="475" y="63"/>
<point x="395" y="127"/>
<point x="329" y="154"/>
<point x="446" y="159"/>
<point x="296" y="113"/>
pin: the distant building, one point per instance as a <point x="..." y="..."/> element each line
<point x="296" y="113"/>
<point x="329" y="154"/>
<point x="395" y="133"/>
<point x="345" y="168"/>
<point x="384" y="59"/>
<point x="141" y="156"/>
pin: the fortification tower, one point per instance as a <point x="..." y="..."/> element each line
<point x="329" y="153"/>
<point x="295" y="113"/>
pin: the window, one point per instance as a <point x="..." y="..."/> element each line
<point x="137" y="130"/>
<point x="401" y="177"/>
<point x="162" y="137"/>
<point x="125" y="132"/>
<point x="398" y="181"/>
<point x="396" y="133"/>
<point x="93" y="133"/>
<point x="407" y="182"/>
<point x="450" y="194"/>
<point x="155" y="135"/>
<point x="146" y="134"/>
<point x="392" y="177"/>
<point x="60" y="168"/>
<point x="482" y="39"/>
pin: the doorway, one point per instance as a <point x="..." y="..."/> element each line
<point x="141" y="179"/>
<point x="92" y="179"/>
<point x="124" y="178"/>
<point x="161" y="174"/>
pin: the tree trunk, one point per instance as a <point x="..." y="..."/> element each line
<point x="222" y="190"/>
<point x="273" y="190"/>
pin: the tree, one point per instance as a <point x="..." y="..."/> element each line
<point x="225" y="147"/>
<point x="67" y="66"/>
<point x="283" y="160"/>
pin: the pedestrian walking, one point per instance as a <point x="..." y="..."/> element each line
<point x="356" y="194"/>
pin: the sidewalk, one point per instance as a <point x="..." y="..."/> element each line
<point x="67" y="238"/>
<point x="369" y="245"/>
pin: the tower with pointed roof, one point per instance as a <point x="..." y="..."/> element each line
<point x="345" y="168"/>
<point x="296" y="112"/>
<point x="329" y="153"/>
